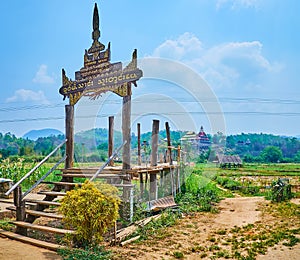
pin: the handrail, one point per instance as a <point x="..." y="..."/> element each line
<point x="108" y="161"/>
<point x="44" y="177"/>
<point x="34" y="168"/>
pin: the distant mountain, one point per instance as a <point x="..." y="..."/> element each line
<point x="35" y="134"/>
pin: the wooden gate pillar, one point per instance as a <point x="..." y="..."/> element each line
<point x="154" y="146"/>
<point x="169" y="142"/>
<point x="69" y="124"/>
<point x="126" y="129"/>
<point x="20" y="210"/>
<point x="126" y="132"/>
<point x="139" y="144"/>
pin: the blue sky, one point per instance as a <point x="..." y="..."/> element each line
<point x="246" y="50"/>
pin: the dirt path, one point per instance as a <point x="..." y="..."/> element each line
<point x="187" y="236"/>
<point x="193" y="233"/>
<point x="238" y="211"/>
<point x="10" y="249"/>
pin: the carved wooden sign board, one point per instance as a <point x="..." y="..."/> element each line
<point x="98" y="74"/>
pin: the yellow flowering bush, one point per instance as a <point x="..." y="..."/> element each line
<point x="90" y="210"/>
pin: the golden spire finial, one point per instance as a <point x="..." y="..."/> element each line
<point x="96" y="46"/>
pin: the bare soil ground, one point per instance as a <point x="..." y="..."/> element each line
<point x="193" y="232"/>
<point x="187" y="236"/>
<point x="11" y="249"/>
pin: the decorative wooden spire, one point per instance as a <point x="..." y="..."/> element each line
<point x="96" y="31"/>
<point x="96" y="46"/>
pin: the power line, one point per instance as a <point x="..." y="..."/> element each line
<point x="240" y="113"/>
<point x="164" y="100"/>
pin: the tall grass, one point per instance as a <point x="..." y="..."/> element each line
<point x="199" y="193"/>
<point x="16" y="169"/>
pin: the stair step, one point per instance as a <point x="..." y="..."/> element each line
<point x="42" y="228"/>
<point x="80" y="184"/>
<point x="62" y="183"/>
<point x="123" y="185"/>
<point x="91" y="170"/>
<point x="29" y="240"/>
<point x="43" y="214"/>
<point x="38" y="213"/>
<point x="52" y="193"/>
<point x="43" y="202"/>
<point x="8" y="201"/>
<point x="89" y="175"/>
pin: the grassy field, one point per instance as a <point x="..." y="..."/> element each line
<point x="254" y="174"/>
<point x="205" y="186"/>
<point x="252" y="179"/>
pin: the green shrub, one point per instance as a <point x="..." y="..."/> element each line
<point x="198" y="194"/>
<point x="95" y="252"/>
<point x="178" y="255"/>
<point x="91" y="210"/>
<point x="203" y="200"/>
<point x="6" y="225"/>
<point x="281" y="191"/>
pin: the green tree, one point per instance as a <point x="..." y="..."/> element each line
<point x="297" y="157"/>
<point x="272" y="154"/>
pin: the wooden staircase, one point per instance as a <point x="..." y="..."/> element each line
<point x="45" y="209"/>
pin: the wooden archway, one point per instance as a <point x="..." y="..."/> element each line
<point x="97" y="76"/>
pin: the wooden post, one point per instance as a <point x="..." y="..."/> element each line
<point x="115" y="232"/>
<point x="154" y="148"/>
<point x="169" y="142"/>
<point x="173" y="192"/>
<point x="69" y="129"/>
<point x="126" y="132"/>
<point x="141" y="185"/>
<point x="110" y="138"/>
<point x="178" y="169"/>
<point x="139" y="143"/>
<point x="154" y="145"/>
<point x="126" y="128"/>
<point x="140" y="159"/>
<point x="178" y="154"/>
<point x="162" y="185"/>
<point x="20" y="210"/>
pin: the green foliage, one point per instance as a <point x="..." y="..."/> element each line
<point x="297" y="157"/>
<point x="178" y="255"/>
<point x="91" y="142"/>
<point x="234" y="185"/>
<point x="198" y="194"/>
<point x="262" y="169"/>
<point x="16" y="169"/>
<point x="6" y="225"/>
<point x="250" y="151"/>
<point x="203" y="157"/>
<point x="228" y="183"/>
<point x="203" y="200"/>
<point x="281" y="191"/>
<point x="272" y="154"/>
<point x="94" y="252"/>
<point x="91" y="210"/>
<point x="156" y="227"/>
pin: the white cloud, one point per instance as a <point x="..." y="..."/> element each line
<point x="42" y="76"/>
<point x="28" y="95"/>
<point x="222" y="65"/>
<point x="238" y="4"/>
<point x="185" y="45"/>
